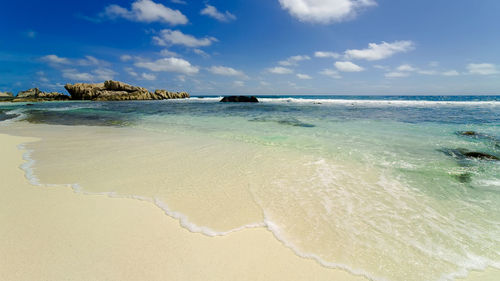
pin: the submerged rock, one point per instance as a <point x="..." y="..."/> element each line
<point x="462" y="153"/>
<point x="239" y="99"/>
<point x="117" y="91"/>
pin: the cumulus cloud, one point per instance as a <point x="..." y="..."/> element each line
<point x="148" y="76"/>
<point x="54" y="59"/>
<point x="225" y="71"/>
<point x="131" y="71"/>
<point x="347" y="66"/>
<point x="201" y="53"/>
<point x="325" y="11"/>
<point x="327" y="55"/>
<point x="303" y="76"/>
<point x="175" y="37"/>
<point x="74" y="74"/>
<point x="170" y="65"/>
<point x="104" y="74"/>
<point x="396" y="74"/>
<point x="239" y="83"/>
<point x="125" y="57"/>
<point x="280" y="70"/>
<point x="294" y="60"/>
<point x="145" y="11"/>
<point x="406" y="67"/>
<point x="451" y="73"/>
<point x="330" y="73"/>
<point x="212" y="12"/>
<point x="380" y="51"/>
<point x="482" y="68"/>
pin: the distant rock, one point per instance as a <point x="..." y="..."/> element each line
<point x="117" y="91"/>
<point x="35" y="94"/>
<point x="6" y="95"/>
<point x="239" y="99"/>
<point x="31" y="93"/>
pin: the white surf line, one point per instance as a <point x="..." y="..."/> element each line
<point x="27" y="167"/>
<point x="29" y="173"/>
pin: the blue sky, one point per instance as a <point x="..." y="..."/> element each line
<point x="255" y="47"/>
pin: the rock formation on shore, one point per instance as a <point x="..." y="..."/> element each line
<point x="6" y="95"/>
<point x="117" y="91"/>
<point x="35" y="94"/>
<point x="239" y="99"/>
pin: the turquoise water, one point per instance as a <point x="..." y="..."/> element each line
<point x="378" y="186"/>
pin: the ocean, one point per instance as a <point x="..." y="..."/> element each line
<point x="388" y="187"/>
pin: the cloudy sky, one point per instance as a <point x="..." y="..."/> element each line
<point x="255" y="47"/>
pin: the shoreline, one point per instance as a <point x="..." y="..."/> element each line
<point x="252" y="237"/>
<point x="53" y="233"/>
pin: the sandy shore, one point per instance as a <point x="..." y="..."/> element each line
<point x="56" y="234"/>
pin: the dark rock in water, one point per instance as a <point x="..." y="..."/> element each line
<point x="467" y="133"/>
<point x="462" y="153"/>
<point x="29" y="104"/>
<point x="481" y="155"/>
<point x="75" y="118"/>
<point x="288" y="122"/>
<point x="464" y="178"/>
<point x="295" y="123"/>
<point x="118" y="91"/>
<point x="239" y="99"/>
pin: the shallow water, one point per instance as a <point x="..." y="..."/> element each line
<point x="362" y="184"/>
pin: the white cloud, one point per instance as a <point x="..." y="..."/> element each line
<point x="380" y="51"/>
<point x="225" y="71"/>
<point x="482" y="68"/>
<point x="327" y="55"/>
<point x="303" y="76"/>
<point x="148" y="76"/>
<point x="451" y="73"/>
<point x="175" y="37"/>
<point x="201" y="53"/>
<point x="428" y="72"/>
<point x="179" y="2"/>
<point x="294" y="60"/>
<point x="131" y="71"/>
<point x="347" y="66"/>
<point x="73" y="74"/>
<point x="239" y="83"/>
<point x="54" y="59"/>
<point x="104" y="74"/>
<point x="325" y="11"/>
<point x="330" y="73"/>
<point x="397" y="74"/>
<point x="168" y="53"/>
<point x="145" y="11"/>
<point x="89" y="60"/>
<point x="169" y="64"/>
<point x="406" y="67"/>
<point x="212" y="12"/>
<point x="280" y="70"/>
<point x="125" y="57"/>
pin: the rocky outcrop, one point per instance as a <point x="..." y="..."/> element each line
<point x="462" y="153"/>
<point x="35" y="94"/>
<point x="6" y="95"/>
<point x="239" y="99"/>
<point x="117" y="91"/>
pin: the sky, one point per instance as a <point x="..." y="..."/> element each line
<point x="276" y="47"/>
